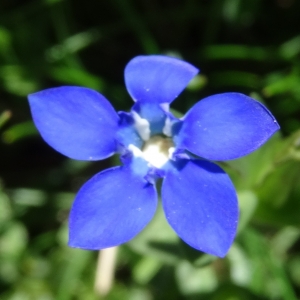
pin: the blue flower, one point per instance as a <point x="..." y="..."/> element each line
<point x="198" y="197"/>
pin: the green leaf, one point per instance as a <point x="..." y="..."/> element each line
<point x="5" y="209"/>
<point x="247" y="205"/>
<point x="193" y="280"/>
<point x="19" y="131"/>
<point x="269" y="277"/>
<point x="250" y="171"/>
<point x="76" y="76"/>
<point x="158" y="240"/>
<point x="13" y="241"/>
<point x="241" y="271"/>
<point x="146" y="269"/>
<point x="76" y="260"/>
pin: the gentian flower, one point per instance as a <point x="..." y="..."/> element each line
<point x="198" y="197"/>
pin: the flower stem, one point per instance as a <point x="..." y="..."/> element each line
<point x="105" y="270"/>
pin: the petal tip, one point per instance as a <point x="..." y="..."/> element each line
<point x="226" y="126"/>
<point x="68" y="119"/>
<point x="157" y="78"/>
<point x="214" y="247"/>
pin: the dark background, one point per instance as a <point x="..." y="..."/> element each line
<point x="251" y="47"/>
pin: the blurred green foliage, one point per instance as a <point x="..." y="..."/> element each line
<point x="247" y="46"/>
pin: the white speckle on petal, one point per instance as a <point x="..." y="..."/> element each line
<point x="141" y="125"/>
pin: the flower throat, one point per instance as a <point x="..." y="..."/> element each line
<point x="158" y="150"/>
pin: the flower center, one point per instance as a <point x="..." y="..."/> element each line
<point x="157" y="150"/>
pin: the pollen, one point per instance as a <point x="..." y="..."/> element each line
<point x="157" y="150"/>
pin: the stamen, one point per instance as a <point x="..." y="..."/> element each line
<point x="142" y="126"/>
<point x="171" y="151"/>
<point x="156" y="150"/>
<point x="135" y="151"/>
<point x="167" y="130"/>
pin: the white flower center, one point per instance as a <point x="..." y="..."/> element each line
<point x="157" y="150"/>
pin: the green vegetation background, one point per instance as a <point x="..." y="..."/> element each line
<point x="251" y="47"/>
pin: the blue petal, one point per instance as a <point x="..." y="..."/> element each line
<point x="154" y="114"/>
<point x="110" y="209"/>
<point x="226" y="126"/>
<point x="78" y="122"/>
<point x="200" y="204"/>
<point x="127" y="133"/>
<point x="157" y="79"/>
